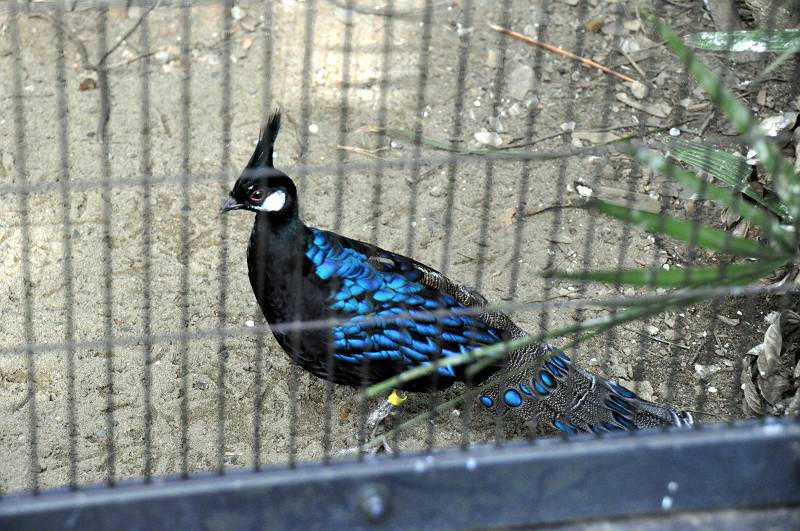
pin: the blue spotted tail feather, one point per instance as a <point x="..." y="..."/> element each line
<point x="559" y="394"/>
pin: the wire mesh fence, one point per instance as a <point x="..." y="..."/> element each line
<point x="132" y="346"/>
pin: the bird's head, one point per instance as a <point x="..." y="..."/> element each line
<point x="260" y="187"/>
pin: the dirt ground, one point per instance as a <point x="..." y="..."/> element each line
<point x="658" y="358"/>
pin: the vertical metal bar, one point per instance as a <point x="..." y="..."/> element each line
<point x="569" y="116"/>
<point x="66" y="237"/>
<point x="305" y="120"/>
<point x="452" y="168"/>
<point x="422" y="85"/>
<point x="225" y="115"/>
<point x="24" y="214"/>
<point x="591" y="222"/>
<point x="344" y="110"/>
<point x="525" y="170"/>
<point x="186" y="208"/>
<point x="488" y="183"/>
<point x="377" y="190"/>
<point x="108" y="276"/>
<point x="266" y="106"/>
<point x="305" y="96"/>
<point x="146" y="170"/>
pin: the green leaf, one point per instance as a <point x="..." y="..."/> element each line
<point x="779" y="40"/>
<point x="781" y="234"/>
<point x="726" y="167"/>
<point x="787" y="183"/>
<point x="735" y="274"/>
<point x="729" y="168"/>
<point x="701" y="235"/>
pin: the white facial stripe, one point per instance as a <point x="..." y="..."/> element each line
<point x="274" y="202"/>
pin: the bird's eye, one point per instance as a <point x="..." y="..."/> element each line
<point x="257" y="195"/>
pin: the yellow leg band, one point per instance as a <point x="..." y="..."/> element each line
<point x="395" y="399"/>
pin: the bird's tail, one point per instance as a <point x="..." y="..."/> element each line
<point x="542" y="385"/>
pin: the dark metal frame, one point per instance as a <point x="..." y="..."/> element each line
<point x="746" y="465"/>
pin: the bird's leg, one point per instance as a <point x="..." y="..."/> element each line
<point x="375" y="418"/>
<point x="380" y="413"/>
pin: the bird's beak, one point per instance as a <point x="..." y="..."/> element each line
<point x="230" y="204"/>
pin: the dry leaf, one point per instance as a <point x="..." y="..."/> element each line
<point x="770" y="370"/>
<point x="87" y="84"/>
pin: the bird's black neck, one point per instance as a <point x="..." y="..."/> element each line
<point x="275" y="260"/>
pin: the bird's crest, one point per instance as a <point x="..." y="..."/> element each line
<point x="262" y="156"/>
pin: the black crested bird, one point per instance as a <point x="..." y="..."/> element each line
<point x="392" y="315"/>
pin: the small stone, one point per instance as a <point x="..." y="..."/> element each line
<point x="238" y="13"/>
<point x="461" y="30"/>
<point x="568" y="127"/>
<point x="313" y="129"/>
<point x="704" y="372"/>
<point x="491" y="58"/>
<point x="520" y="82"/>
<point x="630" y="45"/>
<point x="652" y="330"/>
<point x="761" y="97"/>
<point x="674" y="132"/>
<point x="488" y="138"/>
<point x="638" y="89"/>
<point x="7" y="161"/>
<point x="249" y="323"/>
<point x="514" y="110"/>
<point x="632" y="25"/>
<point x="775" y="124"/>
<point x="435" y="191"/>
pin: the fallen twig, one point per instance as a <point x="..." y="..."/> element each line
<point x="560" y="51"/>
<point x="633" y="63"/>
<point x="657" y="339"/>
<point x="547" y="208"/>
<point x="127" y="34"/>
<point x="373" y="153"/>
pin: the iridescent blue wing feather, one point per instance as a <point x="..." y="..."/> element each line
<point x="390" y="313"/>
